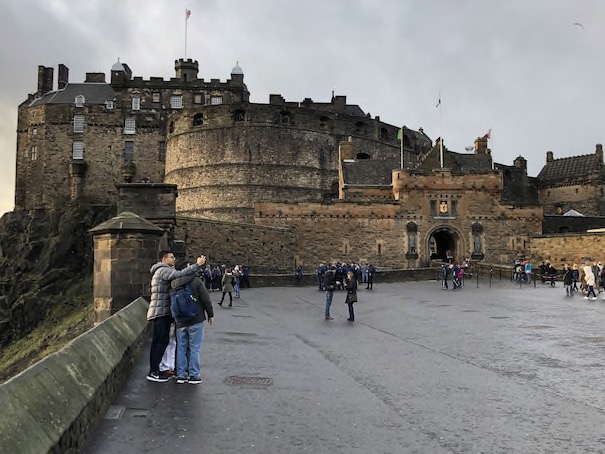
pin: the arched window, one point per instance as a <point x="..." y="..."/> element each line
<point x="239" y="115"/>
<point x="384" y="134"/>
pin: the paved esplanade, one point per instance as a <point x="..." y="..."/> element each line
<point x="500" y="370"/>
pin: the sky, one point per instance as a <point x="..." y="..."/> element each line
<point x="529" y="71"/>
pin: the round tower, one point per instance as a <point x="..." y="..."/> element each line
<point x="186" y="70"/>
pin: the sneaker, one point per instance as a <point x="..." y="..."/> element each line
<point x="195" y="380"/>
<point x="167" y="373"/>
<point x="332" y="318"/>
<point x="181" y="380"/>
<point x="585" y="297"/>
<point x="593" y="298"/>
<point x="157" y="377"/>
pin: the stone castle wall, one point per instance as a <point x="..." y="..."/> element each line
<point x="584" y="196"/>
<point x="568" y="248"/>
<point x="262" y="153"/>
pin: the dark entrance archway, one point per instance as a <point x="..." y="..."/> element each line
<point x="442" y="245"/>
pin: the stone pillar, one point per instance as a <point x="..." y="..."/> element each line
<point x="125" y="248"/>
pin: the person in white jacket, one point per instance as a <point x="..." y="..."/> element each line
<point x="589" y="278"/>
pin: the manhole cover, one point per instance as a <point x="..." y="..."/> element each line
<point x="499" y="318"/>
<point x="256" y="381"/>
<point x="115" y="412"/>
<point x="540" y="326"/>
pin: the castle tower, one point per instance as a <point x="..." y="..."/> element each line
<point x="186" y="70"/>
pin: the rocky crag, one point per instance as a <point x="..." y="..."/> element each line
<point x="46" y="262"/>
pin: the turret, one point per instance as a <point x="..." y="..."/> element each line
<point x="186" y="70"/>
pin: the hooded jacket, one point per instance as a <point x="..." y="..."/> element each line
<point x="200" y="293"/>
<point x="161" y="275"/>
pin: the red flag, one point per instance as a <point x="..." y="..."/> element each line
<point x="488" y="135"/>
<point x="187" y="14"/>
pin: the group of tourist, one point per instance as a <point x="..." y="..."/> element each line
<point x="452" y="272"/>
<point x="590" y="276"/>
<point x="342" y="276"/>
<point x="176" y="344"/>
<point x="362" y="273"/>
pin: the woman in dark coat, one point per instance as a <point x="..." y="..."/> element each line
<point x="351" y="285"/>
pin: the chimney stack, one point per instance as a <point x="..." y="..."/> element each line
<point x="45" y="79"/>
<point x="549" y="157"/>
<point x="63" y="79"/>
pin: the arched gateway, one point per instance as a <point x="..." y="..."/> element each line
<point x="445" y="243"/>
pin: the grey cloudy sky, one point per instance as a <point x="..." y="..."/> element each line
<point x="520" y="68"/>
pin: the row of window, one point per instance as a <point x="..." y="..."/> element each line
<point x="176" y="101"/>
<point x="129" y="124"/>
<point x="77" y="151"/>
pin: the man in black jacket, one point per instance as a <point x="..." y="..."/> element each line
<point x="190" y="334"/>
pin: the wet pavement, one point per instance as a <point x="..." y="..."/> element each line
<point x="421" y="370"/>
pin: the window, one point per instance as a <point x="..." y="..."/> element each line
<point x="34" y="153"/>
<point x="129" y="150"/>
<point x="176" y="102"/>
<point x="80" y="99"/>
<point x="77" y="150"/>
<point x="109" y="104"/>
<point x="78" y="123"/>
<point x="136" y="103"/>
<point x="198" y="119"/>
<point x="155" y="97"/>
<point x="26" y="152"/>
<point x="130" y="125"/>
<point x="197" y="99"/>
<point x="162" y="152"/>
<point x="433" y="207"/>
<point x="216" y="100"/>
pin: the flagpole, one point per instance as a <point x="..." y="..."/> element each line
<point x="186" y="20"/>
<point x="441" y="132"/>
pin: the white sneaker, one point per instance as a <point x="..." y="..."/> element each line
<point x="585" y="297"/>
<point x="593" y="298"/>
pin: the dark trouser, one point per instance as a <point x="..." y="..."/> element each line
<point x="351" y="312"/>
<point x="370" y="282"/>
<point x="160" y="332"/>
<point x="230" y="298"/>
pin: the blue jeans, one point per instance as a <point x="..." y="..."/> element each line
<point x="329" y="296"/>
<point x="236" y="290"/>
<point x="188" y="349"/>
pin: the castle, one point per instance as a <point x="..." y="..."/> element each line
<point x="290" y="183"/>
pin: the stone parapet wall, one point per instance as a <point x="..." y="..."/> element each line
<point x="54" y="405"/>
<point x="264" y="249"/>
<point x="568" y="248"/>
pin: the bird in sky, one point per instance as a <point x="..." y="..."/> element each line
<point x="579" y="25"/>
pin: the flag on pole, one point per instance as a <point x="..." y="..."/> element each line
<point x="488" y="135"/>
<point x="439" y="101"/>
<point x="187" y="14"/>
<point x="399" y="134"/>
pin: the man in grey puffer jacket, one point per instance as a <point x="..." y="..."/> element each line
<point x="158" y="312"/>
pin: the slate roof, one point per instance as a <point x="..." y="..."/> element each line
<point x="570" y="168"/>
<point x="93" y="92"/>
<point x="369" y="172"/>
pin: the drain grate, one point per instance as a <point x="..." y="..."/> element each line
<point x="255" y="381"/>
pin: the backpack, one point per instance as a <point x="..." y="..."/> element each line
<point x="183" y="305"/>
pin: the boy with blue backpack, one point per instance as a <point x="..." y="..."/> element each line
<point x="190" y="306"/>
